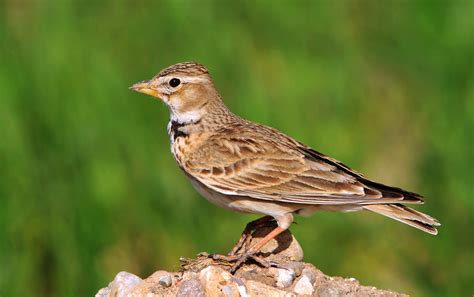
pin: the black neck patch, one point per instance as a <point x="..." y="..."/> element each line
<point x="175" y="130"/>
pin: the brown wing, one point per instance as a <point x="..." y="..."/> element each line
<point x="275" y="167"/>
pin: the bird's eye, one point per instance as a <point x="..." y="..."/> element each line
<point x="174" y="82"/>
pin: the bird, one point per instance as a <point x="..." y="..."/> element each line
<point x="252" y="168"/>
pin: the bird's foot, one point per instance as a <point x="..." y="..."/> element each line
<point x="236" y="261"/>
<point x="242" y="245"/>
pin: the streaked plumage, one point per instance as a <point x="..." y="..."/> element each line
<point x="248" y="167"/>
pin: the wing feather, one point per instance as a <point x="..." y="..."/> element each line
<point x="283" y="170"/>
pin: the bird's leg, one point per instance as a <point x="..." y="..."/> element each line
<point x="282" y="222"/>
<point x="247" y="233"/>
<point x="250" y="253"/>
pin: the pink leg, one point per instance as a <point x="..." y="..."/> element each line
<point x="247" y="233"/>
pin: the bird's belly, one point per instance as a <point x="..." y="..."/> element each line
<point x="214" y="197"/>
<point x="225" y="201"/>
<point x="244" y="204"/>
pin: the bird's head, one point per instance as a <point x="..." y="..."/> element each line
<point x="186" y="88"/>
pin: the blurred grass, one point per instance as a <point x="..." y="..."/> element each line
<point x="88" y="186"/>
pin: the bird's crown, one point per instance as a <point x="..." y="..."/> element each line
<point x="189" y="68"/>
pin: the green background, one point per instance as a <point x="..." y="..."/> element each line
<point x="89" y="188"/>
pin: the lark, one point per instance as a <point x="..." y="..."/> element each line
<point x="252" y="168"/>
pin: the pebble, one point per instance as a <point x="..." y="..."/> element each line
<point x="304" y="286"/>
<point x="285" y="278"/>
<point x="191" y="287"/>
<point x="122" y="284"/>
<point x="166" y="281"/>
<point x="309" y="273"/>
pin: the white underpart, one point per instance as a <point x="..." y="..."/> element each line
<point x="186" y="117"/>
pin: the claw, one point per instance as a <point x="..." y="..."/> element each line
<point x="241" y="252"/>
<point x="241" y="259"/>
<point x="261" y="262"/>
<point x="224" y="258"/>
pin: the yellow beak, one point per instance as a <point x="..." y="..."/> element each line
<point x="145" y="87"/>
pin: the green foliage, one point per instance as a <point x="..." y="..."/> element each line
<point x="89" y="188"/>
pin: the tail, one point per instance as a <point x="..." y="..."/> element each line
<point x="406" y="215"/>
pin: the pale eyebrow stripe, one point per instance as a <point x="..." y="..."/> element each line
<point x="194" y="80"/>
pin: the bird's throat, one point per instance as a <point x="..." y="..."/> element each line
<point x="180" y="129"/>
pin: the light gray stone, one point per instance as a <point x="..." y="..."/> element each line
<point x="121" y="286"/>
<point x="166" y="281"/>
<point x="303" y="286"/>
<point x="285" y="278"/>
<point x="191" y="287"/>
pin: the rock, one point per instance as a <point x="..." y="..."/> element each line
<point x="166" y="281"/>
<point x="190" y="287"/>
<point x="285" y="278"/>
<point x="254" y="288"/>
<point x="284" y="247"/>
<point x="303" y="286"/>
<point x="154" y="284"/>
<point x="121" y="286"/>
<point x="215" y="280"/>
<point x="205" y="276"/>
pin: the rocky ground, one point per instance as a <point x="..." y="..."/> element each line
<point x="205" y="276"/>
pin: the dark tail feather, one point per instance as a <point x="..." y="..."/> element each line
<point x="406" y="215"/>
